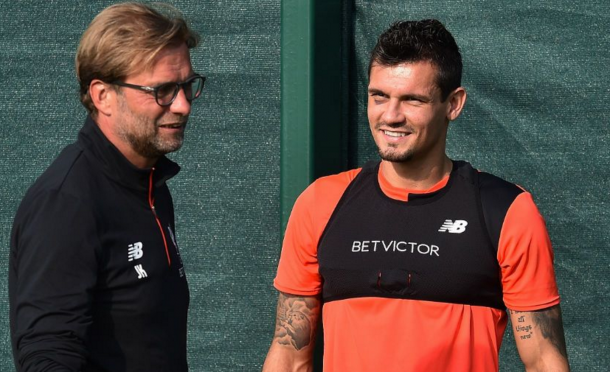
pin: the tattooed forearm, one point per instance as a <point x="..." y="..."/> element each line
<point x="297" y="319"/>
<point x="523" y="328"/>
<point x="548" y="322"/>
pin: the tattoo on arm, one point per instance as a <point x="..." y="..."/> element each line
<point x="548" y="321"/>
<point x="551" y="325"/>
<point x="523" y="328"/>
<point x="297" y="319"/>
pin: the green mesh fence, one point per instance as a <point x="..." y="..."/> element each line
<point x="536" y="74"/>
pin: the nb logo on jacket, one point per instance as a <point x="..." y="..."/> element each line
<point x="135" y="251"/>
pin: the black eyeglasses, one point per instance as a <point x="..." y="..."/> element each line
<point x="166" y="93"/>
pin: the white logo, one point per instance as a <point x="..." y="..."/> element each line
<point x="366" y="246"/>
<point x="135" y="251"/>
<point x="457" y="227"/>
<point x="140" y="271"/>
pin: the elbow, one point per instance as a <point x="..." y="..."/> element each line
<point x="554" y="363"/>
<point x="47" y="356"/>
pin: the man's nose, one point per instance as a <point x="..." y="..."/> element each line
<point x="392" y="113"/>
<point x="181" y="105"/>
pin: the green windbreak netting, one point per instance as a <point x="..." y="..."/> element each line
<point x="226" y="196"/>
<point x="537" y="114"/>
<point x="536" y="74"/>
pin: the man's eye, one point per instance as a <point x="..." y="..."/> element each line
<point x="414" y="100"/>
<point x="166" y="90"/>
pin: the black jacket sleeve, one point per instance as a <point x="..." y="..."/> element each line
<point x="53" y="270"/>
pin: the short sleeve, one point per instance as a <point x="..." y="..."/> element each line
<point x="298" y="272"/>
<point x="525" y="256"/>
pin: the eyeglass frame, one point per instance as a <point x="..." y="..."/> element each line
<point x="155" y="90"/>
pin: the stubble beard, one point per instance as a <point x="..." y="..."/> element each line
<point x="391" y="152"/>
<point x="142" y="134"/>
<point x="392" y="155"/>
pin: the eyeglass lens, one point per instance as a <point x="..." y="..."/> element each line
<point x="166" y="93"/>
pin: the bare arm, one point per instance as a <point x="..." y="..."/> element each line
<point x="540" y="339"/>
<point x="295" y="329"/>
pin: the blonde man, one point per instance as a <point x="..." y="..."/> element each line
<point x="96" y="282"/>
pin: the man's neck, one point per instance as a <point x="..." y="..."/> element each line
<point x="413" y="175"/>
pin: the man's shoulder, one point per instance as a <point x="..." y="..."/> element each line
<point x="339" y="180"/>
<point x="497" y="196"/>
<point x="489" y="180"/>
<point x="67" y="174"/>
<point x="326" y="190"/>
<point x="496" y="191"/>
<point x="485" y="180"/>
<point x="331" y="184"/>
<point x="66" y="186"/>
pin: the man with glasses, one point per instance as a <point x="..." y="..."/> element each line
<point x="96" y="281"/>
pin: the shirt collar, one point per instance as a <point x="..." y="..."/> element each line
<point x="400" y="193"/>
<point x="114" y="164"/>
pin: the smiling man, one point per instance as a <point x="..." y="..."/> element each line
<point x="416" y="258"/>
<point x="96" y="282"/>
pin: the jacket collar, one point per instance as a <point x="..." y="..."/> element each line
<point x="115" y="166"/>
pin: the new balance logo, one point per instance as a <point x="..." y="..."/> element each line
<point x="140" y="271"/>
<point x="135" y="251"/>
<point x="457" y="227"/>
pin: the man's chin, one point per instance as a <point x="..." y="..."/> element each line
<point x="395" y="157"/>
<point x="155" y="151"/>
<point x="168" y="149"/>
<point x="168" y="145"/>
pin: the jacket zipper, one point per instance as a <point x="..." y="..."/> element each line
<point x="151" y="203"/>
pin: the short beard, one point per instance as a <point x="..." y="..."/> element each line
<point x="146" y="142"/>
<point x="389" y="154"/>
<point x="153" y="147"/>
<point x="394" y="156"/>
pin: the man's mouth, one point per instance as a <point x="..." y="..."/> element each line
<point x="172" y="126"/>
<point x="394" y="134"/>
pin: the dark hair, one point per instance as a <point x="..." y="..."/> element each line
<point x="417" y="41"/>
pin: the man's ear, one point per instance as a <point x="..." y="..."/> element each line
<point x="456" y="99"/>
<point x="102" y="96"/>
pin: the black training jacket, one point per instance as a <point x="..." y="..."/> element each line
<point x="96" y="282"/>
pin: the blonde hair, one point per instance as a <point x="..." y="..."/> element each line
<point x="124" y="38"/>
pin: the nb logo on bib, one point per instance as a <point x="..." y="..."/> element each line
<point x="454" y="227"/>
